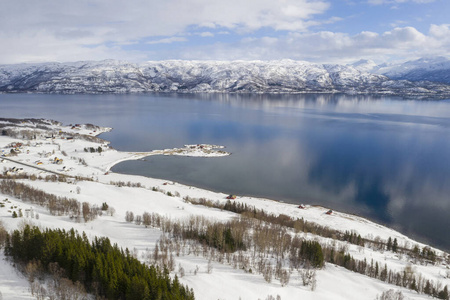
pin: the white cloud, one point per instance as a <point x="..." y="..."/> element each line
<point x="398" y="23"/>
<point x="379" y="2"/>
<point x="440" y="31"/>
<point x="65" y="30"/>
<point x="46" y="48"/>
<point x="400" y="43"/>
<point x="206" y="34"/>
<point x="168" y="40"/>
<point x="81" y="24"/>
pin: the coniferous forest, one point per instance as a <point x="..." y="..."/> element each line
<point x="103" y="269"/>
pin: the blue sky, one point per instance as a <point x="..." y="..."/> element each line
<point x="339" y="31"/>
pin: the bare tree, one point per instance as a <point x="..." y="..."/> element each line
<point x="209" y="267"/>
<point x="391" y="295"/>
<point x="86" y="210"/>
<point x="111" y="211"/>
<point x="129" y="216"/>
<point x="3" y="234"/>
<point x="181" y="271"/>
<point x="309" y="278"/>
<point x="147" y="219"/>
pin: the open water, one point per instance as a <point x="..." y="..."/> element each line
<point x="384" y="158"/>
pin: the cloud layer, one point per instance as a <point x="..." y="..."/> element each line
<point x="139" y="30"/>
<point x="400" y="43"/>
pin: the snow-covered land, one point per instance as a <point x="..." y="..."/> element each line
<point x="284" y="76"/>
<point x="37" y="148"/>
<point x="435" y="69"/>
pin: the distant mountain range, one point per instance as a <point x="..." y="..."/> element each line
<point x="419" y="78"/>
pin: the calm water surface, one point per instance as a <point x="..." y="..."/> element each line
<point x="384" y="158"/>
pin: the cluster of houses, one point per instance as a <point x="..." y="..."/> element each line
<point x="13" y="148"/>
<point x="14" y="171"/>
<point x="62" y="135"/>
<point x="78" y="127"/>
<point x="58" y="161"/>
<point x="15" y="145"/>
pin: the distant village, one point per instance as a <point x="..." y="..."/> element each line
<point x="40" y="133"/>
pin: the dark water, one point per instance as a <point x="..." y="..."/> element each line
<point x="383" y="158"/>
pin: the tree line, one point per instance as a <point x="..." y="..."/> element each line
<point x="271" y="249"/>
<point x="56" y="205"/>
<point x="300" y="225"/>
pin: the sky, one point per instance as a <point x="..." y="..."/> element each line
<point x="322" y="31"/>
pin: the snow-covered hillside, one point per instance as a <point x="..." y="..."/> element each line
<point x="425" y="69"/>
<point x="284" y="76"/>
<point x="88" y="179"/>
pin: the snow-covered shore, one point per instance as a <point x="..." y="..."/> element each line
<point x="68" y="150"/>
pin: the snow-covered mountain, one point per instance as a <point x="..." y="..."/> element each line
<point x="283" y="76"/>
<point x="430" y="69"/>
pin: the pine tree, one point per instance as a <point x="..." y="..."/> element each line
<point x="105" y="270"/>
<point x="389" y="244"/>
<point x="444" y="294"/>
<point x="384" y="273"/>
<point x="395" y="245"/>
<point x="428" y="289"/>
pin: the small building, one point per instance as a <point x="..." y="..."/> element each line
<point x="231" y="197"/>
<point x="329" y="212"/>
<point x="15" y="145"/>
<point x="302" y="206"/>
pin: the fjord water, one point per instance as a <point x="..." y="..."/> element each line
<point x="383" y="158"/>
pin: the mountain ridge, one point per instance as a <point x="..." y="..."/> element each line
<point x="279" y="76"/>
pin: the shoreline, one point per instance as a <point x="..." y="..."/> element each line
<point x="175" y="202"/>
<point x="98" y="167"/>
<point x="200" y="150"/>
<point x="166" y="183"/>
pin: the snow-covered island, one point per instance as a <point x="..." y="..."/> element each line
<point x="237" y="247"/>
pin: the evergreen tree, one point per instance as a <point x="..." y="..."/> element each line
<point x="428" y="288"/>
<point x="103" y="269"/>
<point x="395" y="245"/>
<point x="389" y="244"/>
<point x="444" y="294"/>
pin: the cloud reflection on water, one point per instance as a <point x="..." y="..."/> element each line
<point x="387" y="159"/>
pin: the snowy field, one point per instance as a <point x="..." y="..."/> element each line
<point x="92" y="159"/>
